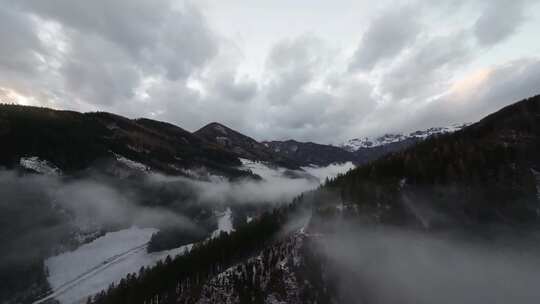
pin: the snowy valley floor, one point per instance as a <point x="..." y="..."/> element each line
<point x="78" y="274"/>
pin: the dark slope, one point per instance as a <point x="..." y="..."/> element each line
<point x="163" y="146"/>
<point x="309" y="153"/>
<point x="366" y="155"/>
<point x="243" y="146"/>
<point x="68" y="139"/>
<point x="74" y="141"/>
<point x="485" y="173"/>
<point x="481" y="175"/>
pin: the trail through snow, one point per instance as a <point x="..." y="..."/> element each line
<point x="75" y="275"/>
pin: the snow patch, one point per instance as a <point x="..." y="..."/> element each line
<point x="220" y="129"/>
<point x="224" y="223"/>
<point x="131" y="164"/>
<point x="39" y="165"/>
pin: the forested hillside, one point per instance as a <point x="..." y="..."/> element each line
<point x="74" y="141"/>
<point x="485" y="172"/>
<point x="184" y="276"/>
<point x="481" y="175"/>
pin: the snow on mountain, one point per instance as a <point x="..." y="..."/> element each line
<point x="224" y="223"/>
<point x="131" y="163"/>
<point x="39" y="165"/>
<point x="368" y="142"/>
<point x="372" y="142"/>
<point x="262" y="169"/>
<point x="92" y="267"/>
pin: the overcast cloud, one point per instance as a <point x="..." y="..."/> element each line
<point x="272" y="69"/>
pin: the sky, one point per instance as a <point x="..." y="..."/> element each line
<point x="312" y="70"/>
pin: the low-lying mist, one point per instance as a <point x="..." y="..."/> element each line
<point x="389" y="265"/>
<point x="41" y="211"/>
<point x="278" y="185"/>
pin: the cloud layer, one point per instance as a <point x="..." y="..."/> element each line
<point x="345" y="72"/>
<point x="387" y="266"/>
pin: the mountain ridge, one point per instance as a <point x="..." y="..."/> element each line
<point x="242" y="145"/>
<point x="75" y="141"/>
<point x="167" y="147"/>
<point x="481" y="175"/>
<point x="310" y="153"/>
<point x="355" y="144"/>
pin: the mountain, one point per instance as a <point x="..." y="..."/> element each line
<point x="309" y="153"/>
<point x="48" y="140"/>
<point x="356" y="144"/>
<point x="242" y="146"/>
<point x="368" y="149"/>
<point x="479" y="180"/>
<point x="72" y="141"/>
<point x="484" y="173"/>
<point x="358" y="150"/>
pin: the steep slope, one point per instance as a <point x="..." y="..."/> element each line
<point x="67" y="139"/>
<point x="368" y="149"/>
<point x="74" y="141"/>
<point x="309" y="153"/>
<point x="241" y="145"/>
<point x="162" y="145"/>
<point x="365" y="155"/>
<point x="358" y="150"/>
<point x="485" y="173"/>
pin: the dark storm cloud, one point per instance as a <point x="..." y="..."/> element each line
<point x="98" y="71"/>
<point x="386" y="37"/>
<point x="167" y="60"/>
<point x="499" y="20"/>
<point x="300" y="104"/>
<point x="292" y="64"/>
<point x="19" y="43"/>
<point x="114" y="44"/>
<point x="239" y="90"/>
<point x="485" y="92"/>
<point x="154" y="33"/>
<point x="429" y="63"/>
<point x="21" y="52"/>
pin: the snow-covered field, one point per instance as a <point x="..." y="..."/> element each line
<point x="92" y="267"/>
<point x="75" y="275"/>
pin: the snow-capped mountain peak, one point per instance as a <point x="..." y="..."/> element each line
<point x="371" y="142"/>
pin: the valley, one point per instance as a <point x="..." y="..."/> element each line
<point x="147" y="218"/>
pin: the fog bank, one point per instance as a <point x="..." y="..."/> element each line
<point x="395" y="266"/>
